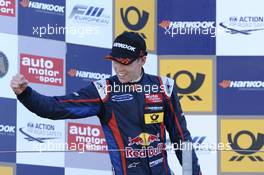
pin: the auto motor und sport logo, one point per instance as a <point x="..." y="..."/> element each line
<point x="87" y="75"/>
<point x="86" y="137"/>
<point x="177" y="28"/>
<point x="44" y="70"/>
<point x="43" y="7"/>
<point x="144" y="140"/>
<point x="3" y="64"/>
<point x="8" y="8"/>
<point x="244" y="25"/>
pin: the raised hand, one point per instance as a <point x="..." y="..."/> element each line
<point x="19" y="83"/>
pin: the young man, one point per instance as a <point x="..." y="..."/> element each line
<point x="134" y="109"/>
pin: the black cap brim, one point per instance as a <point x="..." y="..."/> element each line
<point x="124" y="61"/>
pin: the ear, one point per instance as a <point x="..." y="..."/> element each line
<point x="143" y="60"/>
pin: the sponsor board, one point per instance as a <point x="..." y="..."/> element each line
<point x="245" y="137"/>
<point x="8" y="129"/>
<point x="237" y="28"/>
<point x="86" y="144"/>
<point x="239" y="85"/>
<point x="48" y="21"/>
<point x="186" y="33"/>
<point x="89" y="23"/>
<point x="86" y="137"/>
<point x="82" y="67"/>
<point x="39" y="136"/>
<point x="22" y="169"/>
<point x="45" y="62"/>
<point x="137" y="16"/>
<point x="194" y="82"/>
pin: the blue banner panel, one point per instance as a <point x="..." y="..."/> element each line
<point x="7" y="130"/>
<point x="85" y="64"/>
<point x="23" y="169"/>
<point x="240" y="85"/>
<point x="186" y="27"/>
<point x="42" y="19"/>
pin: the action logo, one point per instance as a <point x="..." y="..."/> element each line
<point x="3" y="65"/>
<point x="40" y="132"/>
<point x="243" y="25"/>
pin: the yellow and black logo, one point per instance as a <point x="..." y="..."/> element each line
<point x="193" y="80"/>
<point x="137" y="16"/>
<point x="152" y="118"/>
<point x="246" y="140"/>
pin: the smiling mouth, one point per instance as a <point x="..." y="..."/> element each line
<point x="121" y="75"/>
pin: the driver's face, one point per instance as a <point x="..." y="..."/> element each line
<point x="127" y="73"/>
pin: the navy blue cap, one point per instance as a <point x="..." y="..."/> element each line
<point x="127" y="47"/>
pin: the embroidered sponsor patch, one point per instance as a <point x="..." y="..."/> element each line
<point x="154" y="108"/>
<point x="153" y="98"/>
<point x="123" y="97"/>
<point x="152" y="118"/>
<point x="155" y="162"/>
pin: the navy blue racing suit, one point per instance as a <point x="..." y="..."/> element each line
<point x="134" y="117"/>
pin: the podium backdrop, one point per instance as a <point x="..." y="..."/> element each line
<point x="213" y="49"/>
